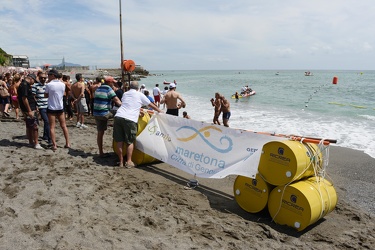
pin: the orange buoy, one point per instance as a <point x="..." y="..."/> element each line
<point x="335" y="80"/>
<point x="128" y="65"/>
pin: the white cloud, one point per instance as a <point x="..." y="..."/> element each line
<point x="286" y="52"/>
<point x="167" y="34"/>
<point x="367" y="47"/>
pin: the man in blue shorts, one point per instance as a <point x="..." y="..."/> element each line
<point x="225" y="109"/>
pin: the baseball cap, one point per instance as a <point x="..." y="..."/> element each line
<point x="32" y="76"/>
<point x="143" y="85"/>
<point x="172" y="86"/>
<point x="109" y="79"/>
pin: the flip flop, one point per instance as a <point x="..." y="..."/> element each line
<point x="129" y="165"/>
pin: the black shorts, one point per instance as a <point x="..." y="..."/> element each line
<point x="55" y="112"/>
<point x="172" y="112"/>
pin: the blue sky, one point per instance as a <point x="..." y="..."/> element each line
<point x="193" y="34"/>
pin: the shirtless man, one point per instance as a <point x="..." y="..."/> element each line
<point x="66" y="98"/>
<point x="217" y="104"/>
<point x="171" y="100"/>
<point x="97" y="83"/>
<point x="225" y="108"/>
<point x="78" y="94"/>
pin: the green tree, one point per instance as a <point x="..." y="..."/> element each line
<point x="2" y="60"/>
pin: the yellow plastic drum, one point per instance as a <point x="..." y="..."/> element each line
<point x="138" y="156"/>
<point x="302" y="203"/>
<point x="251" y="194"/>
<point x="282" y="162"/>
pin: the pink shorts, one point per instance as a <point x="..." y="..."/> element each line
<point x="14" y="98"/>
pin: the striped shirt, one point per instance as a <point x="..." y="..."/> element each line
<point x="102" y="100"/>
<point x="38" y="90"/>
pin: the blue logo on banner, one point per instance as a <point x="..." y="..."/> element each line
<point x="204" y="133"/>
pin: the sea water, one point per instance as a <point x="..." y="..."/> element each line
<point x="286" y="102"/>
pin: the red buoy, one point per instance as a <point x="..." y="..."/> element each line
<point x="335" y="80"/>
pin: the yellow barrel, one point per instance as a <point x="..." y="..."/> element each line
<point x="251" y="194"/>
<point x="138" y="157"/>
<point x="302" y="203"/>
<point x="282" y="162"/>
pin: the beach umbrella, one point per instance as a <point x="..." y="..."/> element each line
<point x="46" y="65"/>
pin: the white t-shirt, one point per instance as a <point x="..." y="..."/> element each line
<point x="55" y="90"/>
<point x="132" y="101"/>
<point x="156" y="91"/>
<point x="142" y="90"/>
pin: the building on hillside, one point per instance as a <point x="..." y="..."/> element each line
<point x="140" y="70"/>
<point x="21" y="61"/>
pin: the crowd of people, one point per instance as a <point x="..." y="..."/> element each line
<point x="49" y="96"/>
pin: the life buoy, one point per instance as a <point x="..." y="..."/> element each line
<point x="128" y="65"/>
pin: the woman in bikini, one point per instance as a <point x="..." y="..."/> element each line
<point x="13" y="93"/>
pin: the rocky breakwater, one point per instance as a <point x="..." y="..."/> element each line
<point x="136" y="75"/>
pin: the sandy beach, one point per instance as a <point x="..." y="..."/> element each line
<point x="72" y="199"/>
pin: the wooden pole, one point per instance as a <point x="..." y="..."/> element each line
<point x="122" y="49"/>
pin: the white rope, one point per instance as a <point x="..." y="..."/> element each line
<point x="319" y="160"/>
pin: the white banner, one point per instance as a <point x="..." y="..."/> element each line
<point x="203" y="149"/>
